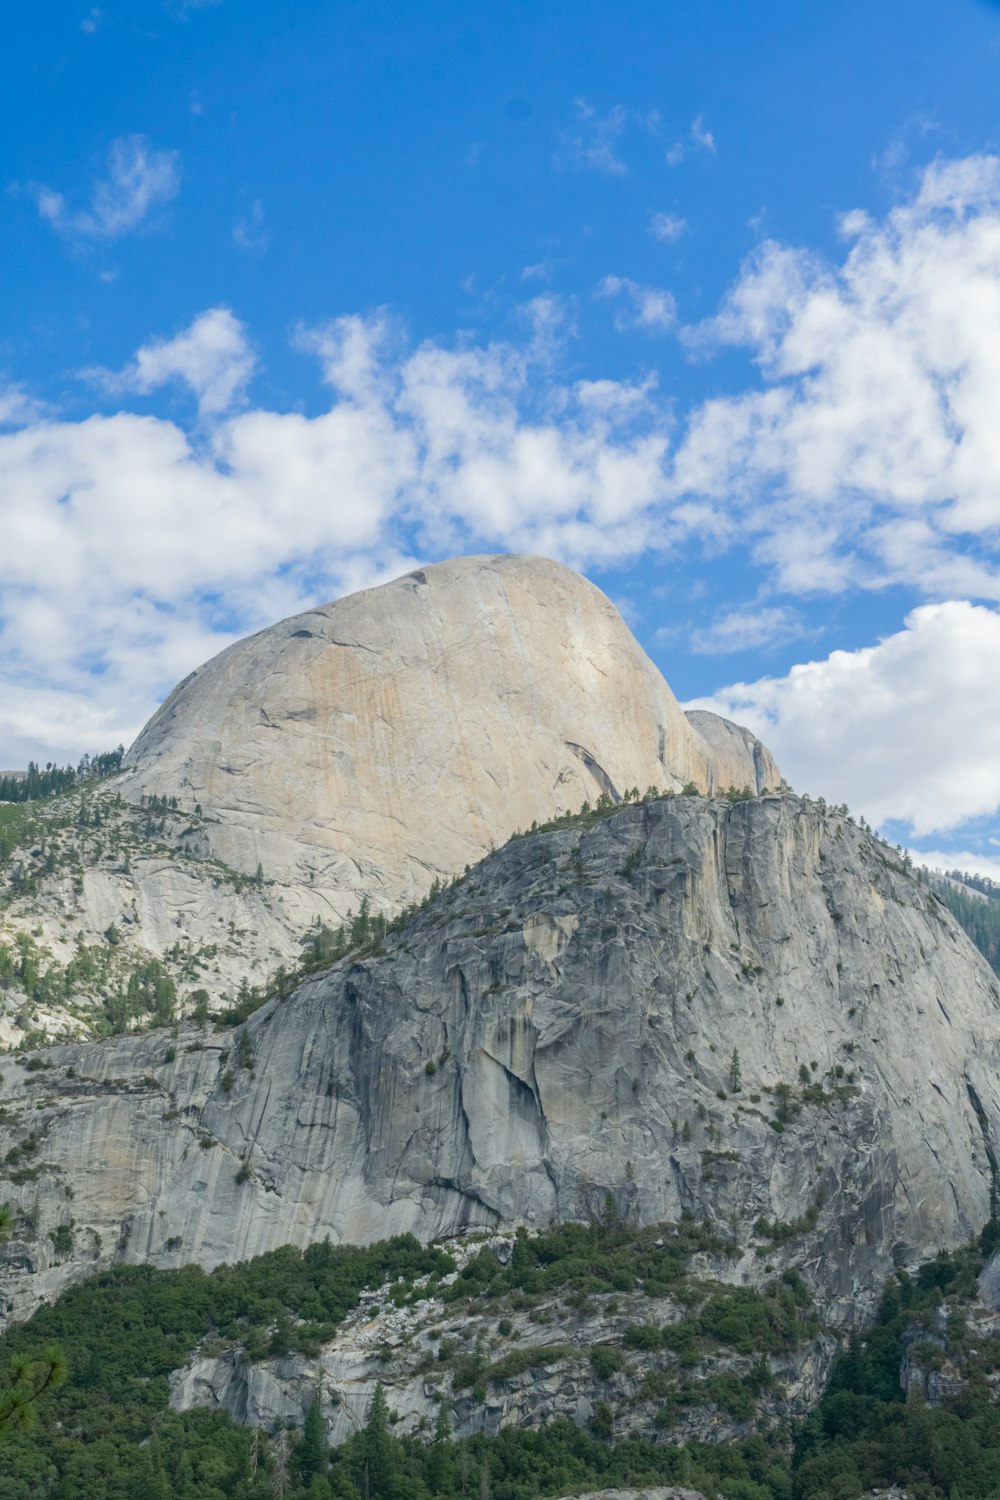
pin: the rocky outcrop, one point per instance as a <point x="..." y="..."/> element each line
<point x="364" y="748"/>
<point x="656" y="1493"/>
<point x="957" y="1343"/>
<point x="746" y="1011"/>
<point x="537" y="1367"/>
<point x="354" y="753"/>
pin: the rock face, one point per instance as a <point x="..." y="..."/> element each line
<point x="356" y="752"/>
<point x="366" y="747"/>
<point x="746" y="1011"/>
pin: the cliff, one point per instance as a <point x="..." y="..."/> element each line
<point x="355" y="753"/>
<point x="743" y="1011"/>
<point x="366" y="747"/>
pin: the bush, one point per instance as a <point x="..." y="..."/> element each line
<point x="606" y="1360"/>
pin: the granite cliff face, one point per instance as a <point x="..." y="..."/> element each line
<point x="743" y="1010"/>
<point x="357" y="752"/>
<point x="364" y="748"/>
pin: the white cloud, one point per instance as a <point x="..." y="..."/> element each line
<point x="92" y="21"/>
<point x="908" y="729"/>
<point x="645" y="307"/>
<point x="212" y="357"/>
<point x="966" y="860"/>
<point x="593" y="144"/>
<point x="702" y="136"/>
<point x="872" y="452"/>
<point x="17" y="407"/>
<point x="131" y="552"/>
<point x="699" y="137"/>
<point x="667" y="227"/>
<point x="747" y="628"/>
<point x="867" y="451"/>
<point x="139" y="179"/>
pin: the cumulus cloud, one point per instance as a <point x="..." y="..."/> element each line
<point x="17" y="407"/>
<point x="132" y="550"/>
<point x="212" y="357"/>
<point x="863" y="451"/>
<point x="646" y="307"/>
<point x="872" y="450"/>
<point x="906" y="730"/>
<point x="139" y="179"/>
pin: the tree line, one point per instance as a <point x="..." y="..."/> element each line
<point x="42" y="781"/>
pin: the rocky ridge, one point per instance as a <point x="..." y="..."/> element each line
<point x="746" y="1011"/>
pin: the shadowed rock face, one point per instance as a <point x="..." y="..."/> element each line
<point x="557" y="1028"/>
<point x="361" y="749"/>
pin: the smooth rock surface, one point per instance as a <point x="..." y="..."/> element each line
<point x="366" y="747"/>
<point x="556" y="1033"/>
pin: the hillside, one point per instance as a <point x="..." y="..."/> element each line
<point x="746" y="1010"/>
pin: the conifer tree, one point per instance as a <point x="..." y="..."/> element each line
<point x="440" y="1460"/>
<point x="379" y="1455"/>
<point x="313" y="1451"/>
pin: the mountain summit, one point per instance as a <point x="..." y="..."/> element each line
<point x="349" y="756"/>
<point x="365" y="747"/>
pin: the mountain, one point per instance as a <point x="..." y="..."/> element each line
<point x="353" y="754"/>
<point x="679" y="1076"/>
<point x="746" y="1011"/>
<point x="364" y="748"/>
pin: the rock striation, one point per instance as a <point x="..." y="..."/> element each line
<point x="747" y="1011"/>
<point x="365" y="748"/>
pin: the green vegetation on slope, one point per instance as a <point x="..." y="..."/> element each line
<point x="108" y="1435"/>
<point x="125" y="1330"/>
<point x="978" y="913"/>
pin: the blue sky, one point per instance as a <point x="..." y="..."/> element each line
<point x="702" y="298"/>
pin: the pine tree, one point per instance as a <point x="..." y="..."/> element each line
<point x="440" y="1460"/>
<point x="279" y="1466"/>
<point x="379" y="1458"/>
<point x="313" y="1451"/>
<point x="26" y="1380"/>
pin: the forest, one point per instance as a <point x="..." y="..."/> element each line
<point x="107" y="1432"/>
